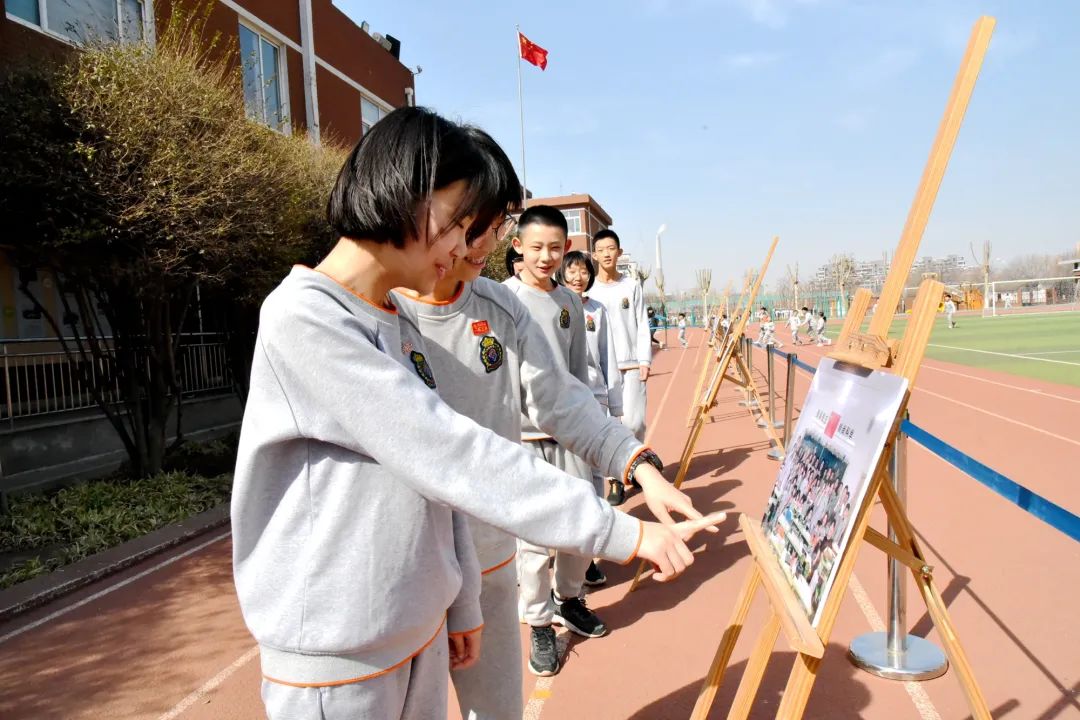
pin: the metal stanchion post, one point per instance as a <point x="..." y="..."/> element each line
<point x="789" y="407"/>
<point x="894" y="654"/>
<point x="766" y="420"/>
<point x="748" y="358"/>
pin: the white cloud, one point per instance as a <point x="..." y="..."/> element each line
<point x="773" y="13"/>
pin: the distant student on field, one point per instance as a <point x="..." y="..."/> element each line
<point x="625" y="303"/>
<point x="682" y="331"/>
<point x="950" y="311"/>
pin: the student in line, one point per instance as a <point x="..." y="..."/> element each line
<point x="353" y="562"/>
<point x="542" y="241"/>
<point x="513" y="258"/>
<point x="682" y="331"/>
<point x="605" y="380"/>
<point x="625" y="302"/>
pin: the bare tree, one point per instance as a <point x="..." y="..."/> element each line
<point x="841" y="268"/>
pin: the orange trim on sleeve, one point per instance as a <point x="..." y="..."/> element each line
<point x="500" y="566"/>
<point x="640" y="537"/>
<point x="386" y="306"/>
<point x="626" y="471"/>
<point x="362" y="678"/>
<point x="467" y="632"/>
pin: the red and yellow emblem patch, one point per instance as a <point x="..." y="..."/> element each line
<point x="481" y="327"/>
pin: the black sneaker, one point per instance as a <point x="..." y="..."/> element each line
<point x="594" y="576"/>
<point x="572" y="614"/>
<point x="617" y="493"/>
<point x="543" y="653"/>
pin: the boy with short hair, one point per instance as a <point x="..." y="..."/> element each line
<point x="950" y="311"/>
<point x="542" y="240"/>
<point x="355" y="572"/>
<point x="682" y="331"/>
<point x="625" y="302"/>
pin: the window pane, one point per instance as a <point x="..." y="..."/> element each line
<point x="24" y="9"/>
<point x="132" y="29"/>
<point x="249" y="61"/>
<point x="370" y="113"/>
<point x="271" y="85"/>
<point x="83" y="20"/>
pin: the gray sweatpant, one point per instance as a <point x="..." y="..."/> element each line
<point x="634" y="396"/>
<point x="415" y="691"/>
<point x="491" y="689"/>
<point x="535" y="602"/>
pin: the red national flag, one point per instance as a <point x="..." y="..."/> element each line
<point x="531" y="52"/>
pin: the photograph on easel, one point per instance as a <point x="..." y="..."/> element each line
<point x="836" y="446"/>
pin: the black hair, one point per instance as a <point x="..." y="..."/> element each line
<point x="502" y="179"/>
<point x="806" y="308"/>
<point x="604" y="234"/>
<point x="512" y="256"/>
<point x="400" y="162"/>
<point x="543" y="215"/>
<point x="573" y="257"/>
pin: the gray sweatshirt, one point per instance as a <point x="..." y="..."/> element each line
<point x="495" y="364"/>
<point x="605" y="380"/>
<point x="629" y="318"/>
<point x="561" y="318"/>
<point x="347" y="554"/>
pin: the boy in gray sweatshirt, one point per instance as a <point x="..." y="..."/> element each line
<point x="355" y="573"/>
<point x="542" y="240"/>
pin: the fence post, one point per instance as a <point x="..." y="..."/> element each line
<point x="789" y="407"/>
<point x="770" y="419"/>
<point x="7" y="390"/>
<point x="894" y="654"/>
<point x="748" y="357"/>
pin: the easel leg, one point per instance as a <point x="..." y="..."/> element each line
<point x="905" y="536"/>
<point x="755" y="669"/>
<point x="707" y="694"/>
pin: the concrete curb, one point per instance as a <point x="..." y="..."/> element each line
<point x="46" y="588"/>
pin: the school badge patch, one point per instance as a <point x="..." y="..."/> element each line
<point x="422" y="368"/>
<point x="626" y="303"/>
<point x="564" y="318"/>
<point x="590" y="324"/>
<point x="491" y="353"/>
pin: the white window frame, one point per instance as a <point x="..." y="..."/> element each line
<point x="364" y="127"/>
<point x="265" y="33"/>
<point x="149" y="31"/>
<point x="576" y="216"/>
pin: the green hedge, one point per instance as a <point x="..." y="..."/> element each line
<point x="75" y="522"/>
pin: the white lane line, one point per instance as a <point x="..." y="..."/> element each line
<point x="542" y="691"/>
<point x="1009" y="355"/>
<point x="915" y="691"/>
<point x="101" y="593"/>
<point x="663" y="401"/>
<point x="210" y="685"/>
<point x="1034" y="391"/>
<point x="1001" y="417"/>
<point x="1053" y="352"/>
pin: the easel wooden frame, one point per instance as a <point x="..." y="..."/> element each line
<point x="731" y="351"/>
<point x="695" y="399"/>
<point x="876" y="351"/>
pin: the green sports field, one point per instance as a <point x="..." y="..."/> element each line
<point x="1043" y="346"/>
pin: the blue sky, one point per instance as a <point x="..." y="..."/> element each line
<point x="734" y="120"/>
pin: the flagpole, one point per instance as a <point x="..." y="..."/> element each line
<point x="521" y="113"/>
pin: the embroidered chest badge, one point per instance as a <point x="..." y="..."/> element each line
<point x="422" y="368"/>
<point x="626" y="303"/>
<point x="564" y="318"/>
<point x="590" y="324"/>
<point x="491" y="353"/>
<point x="481" y="327"/>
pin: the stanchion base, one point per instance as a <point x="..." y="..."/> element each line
<point x="923" y="660"/>
<point x="748" y="403"/>
<point x="764" y="423"/>
<point x="775" y="454"/>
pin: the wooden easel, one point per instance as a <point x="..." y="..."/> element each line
<point x="877" y="351"/>
<point x="695" y="399"/>
<point x="729" y="353"/>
